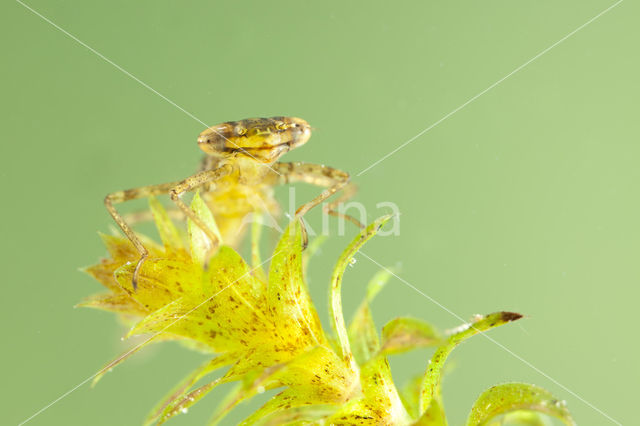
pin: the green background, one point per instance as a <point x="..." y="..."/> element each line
<point x="524" y="200"/>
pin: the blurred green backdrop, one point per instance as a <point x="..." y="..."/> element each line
<point x="525" y="200"/>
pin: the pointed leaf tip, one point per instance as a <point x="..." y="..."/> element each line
<point x="200" y="243"/>
<point x="167" y="230"/>
<point x="432" y="377"/>
<point x="511" y="316"/>
<point x="335" y="306"/>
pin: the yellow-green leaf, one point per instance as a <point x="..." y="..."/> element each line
<point x="404" y="334"/>
<point x="377" y="282"/>
<point x="317" y="376"/>
<point x="514" y="397"/>
<point x="288" y="298"/>
<point x="336" y="284"/>
<point x="200" y="244"/>
<point x="362" y="332"/>
<point x="121" y="303"/>
<point x="363" y="335"/>
<point x="168" y="233"/>
<point x="434" y="416"/>
<point x="380" y="402"/>
<point x="181" y="405"/>
<point x="151" y="293"/>
<point x="431" y="382"/>
<point x="253" y="383"/>
<point x="302" y="415"/>
<point x="410" y="395"/>
<point x="256" y="259"/>
<point x="520" y="418"/>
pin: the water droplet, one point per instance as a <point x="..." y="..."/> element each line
<point x="352" y="261"/>
<point x="184" y="410"/>
<point x="260" y="389"/>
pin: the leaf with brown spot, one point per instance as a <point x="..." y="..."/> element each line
<point x="103" y="273"/>
<point x="318" y="376"/>
<point x="431" y="383"/>
<point x="120" y="303"/>
<point x="288" y="298"/>
<point x="405" y="334"/>
<point x="380" y="401"/>
<point x="152" y="291"/>
<point x="337" y="317"/>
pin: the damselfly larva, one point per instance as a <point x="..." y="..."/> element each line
<point x="237" y="177"/>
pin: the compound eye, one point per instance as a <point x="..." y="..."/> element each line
<point x="241" y="131"/>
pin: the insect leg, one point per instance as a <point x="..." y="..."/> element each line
<point x="332" y="179"/>
<point x="192" y="183"/>
<point x="132" y="194"/>
<point x="143" y="216"/>
<point x="174" y="189"/>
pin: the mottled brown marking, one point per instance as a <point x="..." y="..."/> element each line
<point x="241" y="159"/>
<point x="510" y="316"/>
